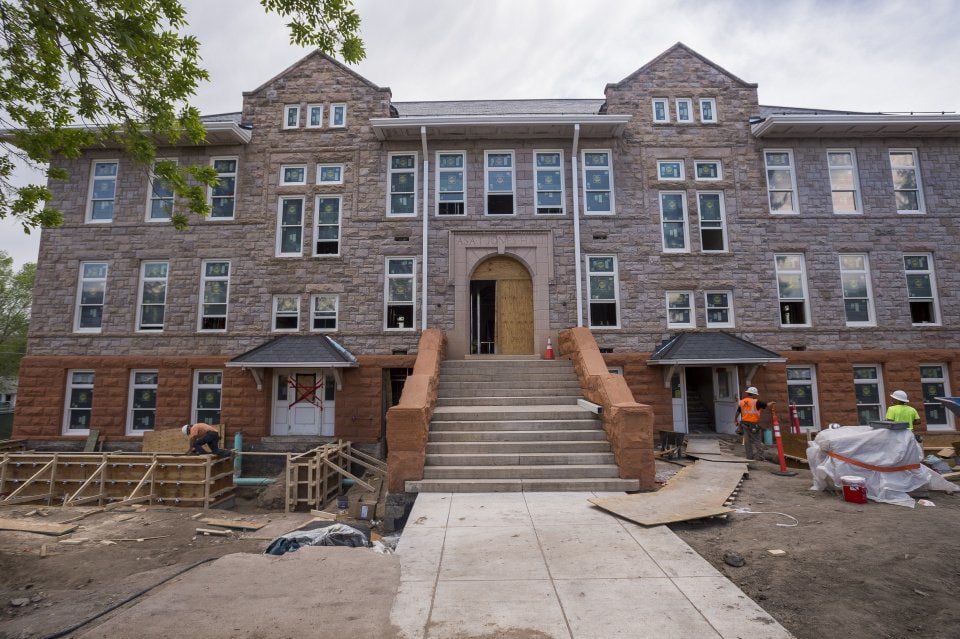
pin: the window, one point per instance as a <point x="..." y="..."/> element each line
<point x="214" y="295"/>
<point x="615" y="370"/>
<point x="548" y="177"/>
<point x="708" y="170"/>
<point x="451" y="184"/>
<point x="921" y="289"/>
<point x="933" y="379"/>
<point x="338" y="115"/>
<point x="286" y="313"/>
<point x="868" y="388"/>
<point x="907" y="189"/>
<point x="329" y="174"/>
<point x="79" y="400"/>
<point x="323" y="313"/>
<point x="597" y="183"/>
<point x="802" y="391"/>
<point x="290" y="227"/>
<point x="142" y="402"/>
<point x="153" y="295"/>
<point x="161" y="200"/>
<point x="103" y="191"/>
<point x="222" y="197"/>
<point x="400" y="296"/>
<point x="708" y="110"/>
<point x="91" y="292"/>
<point x="673" y="218"/>
<point x="680" y="313"/>
<point x="719" y="309"/>
<point x="314" y="116"/>
<point x="291" y="116"/>
<point x="604" y="289"/>
<point x="792" y="290"/>
<point x="713" y="221"/>
<point x="499" y="182"/>
<point x="293" y="175"/>
<point x="326" y="226"/>
<point x="207" y="393"/>
<point x="670" y="170"/>
<point x="844" y="181"/>
<point x="781" y="181"/>
<point x="403" y="184"/>
<point x="661" y="110"/>
<point x="857" y="292"/>
<point x="684" y="110"/>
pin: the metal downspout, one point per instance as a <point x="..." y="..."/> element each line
<point x="426" y="217"/>
<point x="576" y="222"/>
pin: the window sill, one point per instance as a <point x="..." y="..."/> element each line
<point x="786" y="214"/>
<point x="941" y="428"/>
<point x="604" y="328"/>
<point x="73" y="432"/>
<point x="792" y="326"/>
<point x="88" y="331"/>
<point x="927" y="325"/>
<point x="401" y="215"/>
<point x="861" y="325"/>
<point x="721" y="326"/>
<point x="911" y="212"/>
<point x="399" y="330"/>
<point x="288" y="255"/>
<point x="211" y="331"/>
<point x="97" y="221"/>
<point x="285" y="330"/>
<point x="599" y="214"/>
<point x="680" y="327"/>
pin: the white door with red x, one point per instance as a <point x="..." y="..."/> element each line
<point x="303" y="403"/>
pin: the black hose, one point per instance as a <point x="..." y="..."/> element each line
<point x="77" y="626"/>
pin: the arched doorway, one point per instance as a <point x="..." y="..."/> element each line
<point x="501" y="308"/>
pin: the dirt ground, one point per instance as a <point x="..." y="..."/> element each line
<point x="872" y="571"/>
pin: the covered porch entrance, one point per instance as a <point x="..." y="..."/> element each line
<point x="501" y="308"/>
<point x="303" y="402"/>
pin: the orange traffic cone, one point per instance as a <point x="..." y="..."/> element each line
<point x="549" y="353"/>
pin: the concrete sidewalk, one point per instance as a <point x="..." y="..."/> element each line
<point x="538" y="564"/>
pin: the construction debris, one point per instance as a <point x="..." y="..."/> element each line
<point x="213" y="532"/>
<point x="776" y="552"/>
<point x="42" y="528"/>
<point x="233" y="523"/>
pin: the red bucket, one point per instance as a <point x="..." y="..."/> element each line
<point x="854" y="489"/>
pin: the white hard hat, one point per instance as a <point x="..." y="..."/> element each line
<point x="186" y="428"/>
<point x="753" y="391"/>
<point x="899" y="395"/>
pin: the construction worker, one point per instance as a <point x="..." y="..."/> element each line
<point x="901" y="411"/>
<point x="748" y="422"/>
<point x="201" y="434"/>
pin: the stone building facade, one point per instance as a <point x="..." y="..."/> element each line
<point x="664" y="149"/>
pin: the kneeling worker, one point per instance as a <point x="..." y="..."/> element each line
<point x="204" y="434"/>
<point x="748" y="422"/>
<point x="901" y="411"/>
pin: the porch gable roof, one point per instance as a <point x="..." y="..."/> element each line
<point x="295" y="351"/>
<point x="712" y="347"/>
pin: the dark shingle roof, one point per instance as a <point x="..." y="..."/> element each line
<point x="500" y="107"/>
<point x="713" y="346"/>
<point x="767" y="110"/>
<point x="222" y="117"/>
<point x="297" y="350"/>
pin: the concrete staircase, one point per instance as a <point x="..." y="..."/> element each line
<point x="515" y="425"/>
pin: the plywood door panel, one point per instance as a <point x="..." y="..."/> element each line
<point x="515" y="317"/>
<point x="500" y="268"/>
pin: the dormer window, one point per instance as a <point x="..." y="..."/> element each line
<point x="708" y="110"/>
<point x="684" y="110"/>
<point x="291" y="116"/>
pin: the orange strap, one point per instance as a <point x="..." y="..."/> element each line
<point x="881" y="469"/>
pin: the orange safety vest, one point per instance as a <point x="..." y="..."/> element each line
<point x="749" y="411"/>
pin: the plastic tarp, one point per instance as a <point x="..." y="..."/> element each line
<point x="879" y="447"/>
<point x="333" y="535"/>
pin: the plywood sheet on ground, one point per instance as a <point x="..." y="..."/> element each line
<point x="280" y="524"/>
<point x="695" y="492"/>
<point x="43" y="528"/>
<point x="719" y="457"/>
<point x="234" y="523"/>
<point x="703" y="446"/>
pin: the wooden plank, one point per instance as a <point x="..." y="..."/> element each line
<point x="514" y="317"/>
<point x="695" y="492"/>
<point x="90" y="446"/>
<point x="164" y="441"/>
<point x="213" y="532"/>
<point x="719" y="457"/>
<point x="233" y="523"/>
<point x="42" y="528"/>
<point x="703" y="446"/>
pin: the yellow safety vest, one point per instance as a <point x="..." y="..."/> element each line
<point x="749" y="411"/>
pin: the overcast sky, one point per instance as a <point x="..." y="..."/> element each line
<point x="866" y="55"/>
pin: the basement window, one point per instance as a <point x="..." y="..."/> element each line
<point x="499" y="182"/>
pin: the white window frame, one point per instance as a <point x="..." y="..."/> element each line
<point x="807" y="311"/>
<point x="336" y="312"/>
<point x="563" y="182"/>
<point x="197" y="387"/>
<point x="692" y="309"/>
<point x="583" y="178"/>
<point x="945" y="380"/>
<point x="333" y="114"/>
<point x="286" y="116"/>
<point x="878" y="382"/>
<point x="274" y="314"/>
<point x="166" y="290"/>
<point x="78" y="306"/>
<point x="793" y="181"/>
<point x="857" y="201"/>
<point x="283" y="178"/>
<point x="236" y="187"/>
<point x="682" y="172"/>
<point x="133" y="388"/>
<point x="663" y="222"/>
<point x="696" y="166"/>
<point x="921" y="201"/>
<point x="731" y="318"/>
<point x="616" y="290"/>
<point x="88" y="217"/>
<point x="689" y="103"/>
<point x="486" y="181"/>
<point x="666" y="110"/>
<point x="440" y="171"/>
<point x="151" y="198"/>
<point x="932" y="272"/>
<point x="66" y="402"/>
<point x="386" y="292"/>
<point x="871" y="314"/>
<point x="321" y="166"/>
<point x="713" y="107"/>
<point x="815" y="400"/>
<point x="204" y="278"/>
<point x="391" y="171"/>
<point x="281" y="226"/>
<point x="317" y="225"/>
<point x="723" y="221"/>
<point x="310" y="108"/>
<point x="615" y="370"/>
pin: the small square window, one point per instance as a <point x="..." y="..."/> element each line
<point x="293" y="175"/>
<point x="286" y="313"/>
<point x="670" y="170"/>
<point x="707" y="170"/>
<point x="329" y="174"/>
<point x="680" y="313"/>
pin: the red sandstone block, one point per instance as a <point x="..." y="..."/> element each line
<point x="403" y="466"/>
